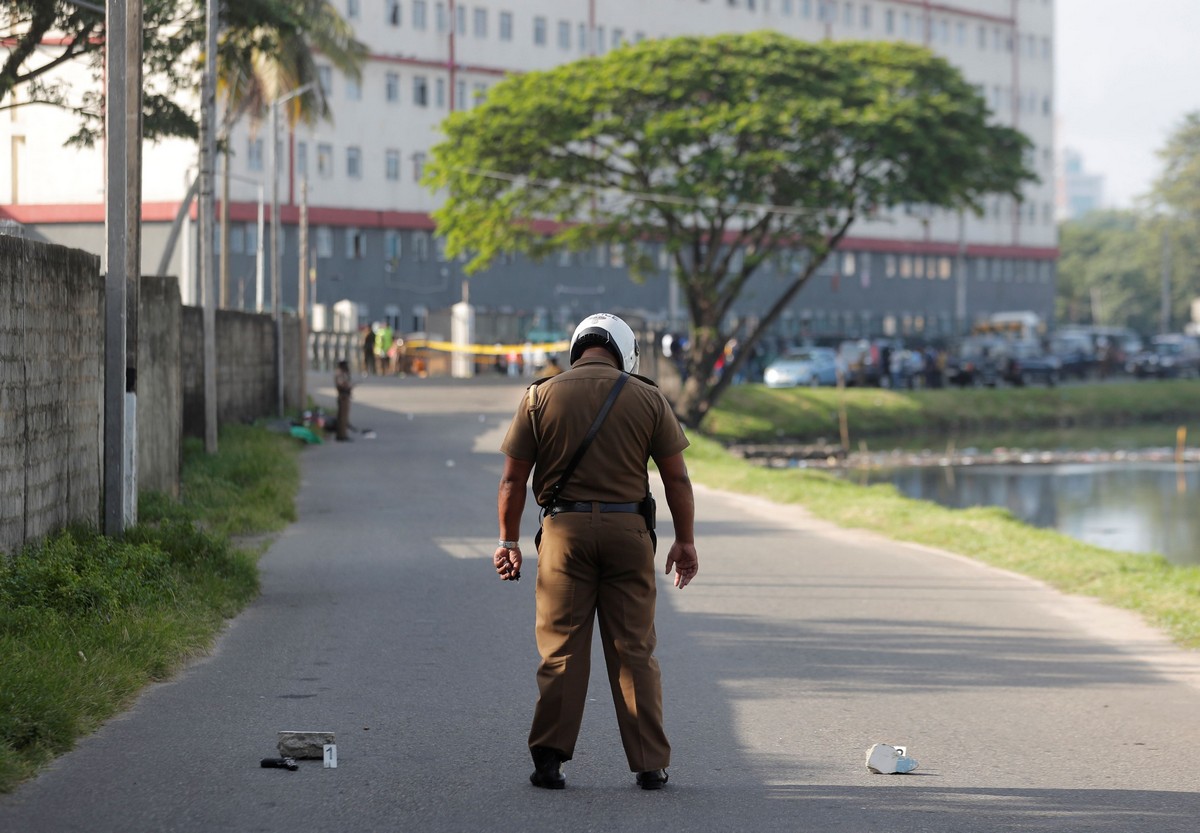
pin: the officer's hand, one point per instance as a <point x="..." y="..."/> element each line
<point x="685" y="561"/>
<point x="508" y="563"/>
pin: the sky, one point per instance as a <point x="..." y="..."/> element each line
<point x="1127" y="73"/>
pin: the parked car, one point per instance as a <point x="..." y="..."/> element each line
<point x="1170" y="356"/>
<point x="975" y="361"/>
<point x="811" y="366"/>
<point x="1024" y="362"/>
<point x="1075" y="353"/>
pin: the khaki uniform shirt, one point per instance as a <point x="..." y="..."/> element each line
<point x="547" y="433"/>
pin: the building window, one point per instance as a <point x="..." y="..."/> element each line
<point x="324" y="161"/>
<point x="324" y="235"/>
<point x="618" y="38"/>
<point x="352" y="9"/>
<point x="806" y="8"/>
<point x="419" y="14"/>
<point x="392" y="12"/>
<point x="439" y="92"/>
<point x="480" y="94"/>
<point x="421" y="246"/>
<point x="302" y="158"/>
<point x="506" y="26"/>
<point x="866" y="16"/>
<point x="889" y="266"/>
<point x="787" y="7"/>
<point x="439" y="14"/>
<point x="982" y="37"/>
<point x="418" y="160"/>
<point x="460" y="95"/>
<point x="944" y="268"/>
<point x="356" y="244"/>
<point x="906" y="267"/>
<point x="392" y="86"/>
<point x="564" y="34"/>
<point x="237" y="239"/>
<point x="600" y="48"/>
<point x="420" y="91"/>
<point x="254" y="154"/>
<point x="848" y="14"/>
<point x="460" y="20"/>
<point x="539" y="31"/>
<point x="480" y="19"/>
<point x="354" y="162"/>
<point x="391" y="250"/>
<point x="889" y="22"/>
<point x="392" y="164"/>
<point x="583" y="37"/>
<point x="353" y="88"/>
<point x="325" y="79"/>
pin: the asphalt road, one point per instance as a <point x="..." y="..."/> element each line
<point x="798" y="646"/>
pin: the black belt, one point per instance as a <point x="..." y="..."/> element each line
<point x="586" y="506"/>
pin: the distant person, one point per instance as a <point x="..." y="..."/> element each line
<point x="368" y="348"/>
<point x="383" y="346"/>
<point x="341" y="381"/>
<point x="552" y="368"/>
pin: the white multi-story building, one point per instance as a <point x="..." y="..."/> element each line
<point x="924" y="274"/>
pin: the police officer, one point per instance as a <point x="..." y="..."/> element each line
<point x="596" y="545"/>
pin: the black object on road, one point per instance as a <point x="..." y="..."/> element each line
<point x="280" y="763"/>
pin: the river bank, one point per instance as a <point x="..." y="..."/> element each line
<point x="757" y="414"/>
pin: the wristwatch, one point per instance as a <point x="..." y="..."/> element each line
<point x="508" y="545"/>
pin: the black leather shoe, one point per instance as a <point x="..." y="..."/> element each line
<point x="547" y="769"/>
<point x="654" y="779"/>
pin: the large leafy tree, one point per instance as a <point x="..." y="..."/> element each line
<point x="1111" y="266"/>
<point x="724" y="149"/>
<point x="44" y="35"/>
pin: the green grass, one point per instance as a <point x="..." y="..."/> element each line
<point x="755" y="413"/>
<point x="1167" y="595"/>
<point x="87" y="621"/>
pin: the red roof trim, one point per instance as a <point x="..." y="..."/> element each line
<point x="247" y="212"/>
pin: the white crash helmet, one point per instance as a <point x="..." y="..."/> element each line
<point x="606" y="330"/>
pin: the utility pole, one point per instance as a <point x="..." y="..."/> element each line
<point x="276" y="279"/>
<point x="1164" y="325"/>
<point x="303" y="288"/>
<point x="122" y="255"/>
<point x="208" y="153"/>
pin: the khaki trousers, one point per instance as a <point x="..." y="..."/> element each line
<point x="589" y="564"/>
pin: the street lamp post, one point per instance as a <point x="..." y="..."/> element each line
<point x="259" y="245"/>
<point x="275" y="278"/>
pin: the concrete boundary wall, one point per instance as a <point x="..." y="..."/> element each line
<point x="247" y="386"/>
<point x="51" y="389"/>
<point x="52" y="384"/>
<point x="159" y="386"/>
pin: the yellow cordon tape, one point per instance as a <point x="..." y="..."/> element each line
<point x="487" y="349"/>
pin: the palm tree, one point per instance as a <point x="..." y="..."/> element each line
<point x="257" y="66"/>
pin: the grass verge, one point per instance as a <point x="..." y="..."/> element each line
<point x="87" y="621"/>
<point x="1167" y="596"/>
<point x="755" y="413"/>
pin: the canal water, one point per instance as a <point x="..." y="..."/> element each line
<point x="1139" y="507"/>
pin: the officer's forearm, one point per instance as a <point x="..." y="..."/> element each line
<point x="682" y="505"/>
<point x="511" y="504"/>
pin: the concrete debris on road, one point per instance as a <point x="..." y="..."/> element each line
<point x="885" y="759"/>
<point x="295" y="744"/>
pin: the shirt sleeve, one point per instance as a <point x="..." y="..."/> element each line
<point x="519" y="443"/>
<point x="668" y="439"/>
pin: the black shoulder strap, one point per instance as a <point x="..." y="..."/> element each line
<point x="591" y="435"/>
